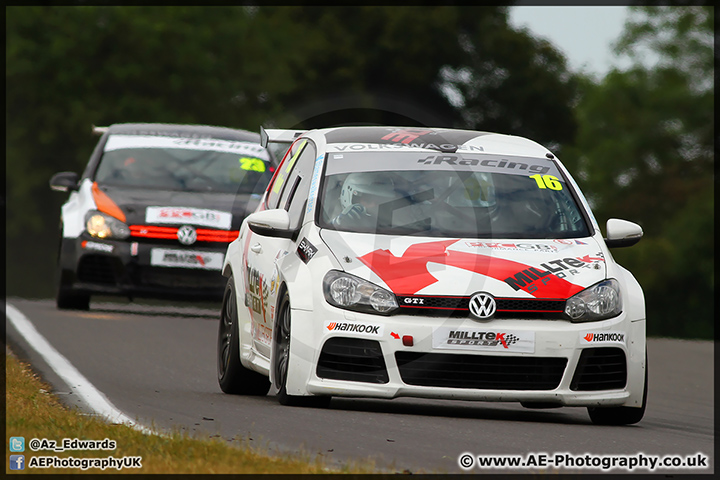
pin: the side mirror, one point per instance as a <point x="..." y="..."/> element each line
<point x="64" y="181"/>
<point x="621" y="233"/>
<point x="271" y="223"/>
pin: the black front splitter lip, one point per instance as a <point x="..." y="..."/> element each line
<point x="135" y="291"/>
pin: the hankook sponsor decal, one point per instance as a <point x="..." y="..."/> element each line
<point x="353" y="327"/>
<point x="483" y="339"/>
<point x="602" y="337"/>
<point x="100" y="247"/>
<point x="186" y="215"/>
<point x="408" y="274"/>
<point x="163" y="257"/>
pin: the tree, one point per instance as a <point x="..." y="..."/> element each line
<point x="645" y="152"/>
<point x="70" y="67"/>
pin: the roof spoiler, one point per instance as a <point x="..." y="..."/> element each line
<point x="99" y="130"/>
<point x="278" y="135"/>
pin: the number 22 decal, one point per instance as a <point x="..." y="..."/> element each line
<point x="547" y="181"/>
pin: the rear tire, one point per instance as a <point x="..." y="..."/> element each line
<point x="233" y="377"/>
<point x="620" y="415"/>
<point x="281" y="361"/>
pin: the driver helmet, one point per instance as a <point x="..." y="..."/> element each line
<point x="357" y="185"/>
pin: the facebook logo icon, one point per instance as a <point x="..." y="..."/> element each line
<point x="17" y="462"/>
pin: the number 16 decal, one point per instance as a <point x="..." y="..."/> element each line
<point x="547" y="181"/>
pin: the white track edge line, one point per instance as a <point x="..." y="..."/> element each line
<point x="94" y="398"/>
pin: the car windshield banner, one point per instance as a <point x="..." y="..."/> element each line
<point x="118" y="142"/>
<point x="375" y="161"/>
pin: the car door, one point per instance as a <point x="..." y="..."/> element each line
<point x="288" y="191"/>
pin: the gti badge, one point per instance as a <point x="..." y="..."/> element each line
<point x="482" y="305"/>
<point x="187" y="235"/>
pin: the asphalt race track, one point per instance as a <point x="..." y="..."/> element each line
<point x="156" y="364"/>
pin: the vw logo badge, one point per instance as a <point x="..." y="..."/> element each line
<point x="187" y="235"/>
<point x="482" y="305"/>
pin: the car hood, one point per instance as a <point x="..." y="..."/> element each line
<point x="214" y="210"/>
<point x="528" y="268"/>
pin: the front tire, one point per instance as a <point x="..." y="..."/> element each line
<point x="620" y="415"/>
<point x="233" y="377"/>
<point x="68" y="299"/>
<point x="281" y="362"/>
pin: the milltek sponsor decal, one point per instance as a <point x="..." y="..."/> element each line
<point x="491" y="339"/>
<point x="603" y="337"/>
<point x="568" y="266"/>
<point x="463" y="338"/>
<point x="347" y="327"/>
<point x="526" y="278"/>
<point x="162" y="257"/>
<point x="306" y="250"/>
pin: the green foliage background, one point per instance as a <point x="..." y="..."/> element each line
<point x="640" y="141"/>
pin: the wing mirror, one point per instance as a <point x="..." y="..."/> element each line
<point x="271" y="223"/>
<point x="64" y="181"/>
<point x="621" y="233"/>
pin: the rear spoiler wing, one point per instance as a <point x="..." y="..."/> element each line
<point x="278" y="135"/>
<point x="99" y="130"/>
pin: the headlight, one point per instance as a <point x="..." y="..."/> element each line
<point x="598" y="302"/>
<point x="101" y="225"/>
<point x="352" y="293"/>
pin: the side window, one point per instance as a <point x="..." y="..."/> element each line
<point x="294" y="197"/>
<point x="279" y="185"/>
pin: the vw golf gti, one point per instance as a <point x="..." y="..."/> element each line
<point x="154" y="211"/>
<point x="426" y="262"/>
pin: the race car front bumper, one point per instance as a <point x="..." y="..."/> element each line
<point x="543" y="362"/>
<point x="130" y="268"/>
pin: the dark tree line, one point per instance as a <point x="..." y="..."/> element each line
<point x="71" y="67"/>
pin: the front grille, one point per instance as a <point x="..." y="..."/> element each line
<point x="98" y="269"/>
<point x="600" y="369"/>
<point x="352" y="359"/>
<point x="437" y="306"/>
<point x="480" y="371"/>
<point x="170" y="233"/>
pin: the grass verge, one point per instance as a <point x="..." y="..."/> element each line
<point x="33" y="413"/>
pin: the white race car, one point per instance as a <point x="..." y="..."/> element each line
<point x="438" y="263"/>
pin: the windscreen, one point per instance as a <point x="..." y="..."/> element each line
<point x="189" y="165"/>
<point x="448" y="195"/>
